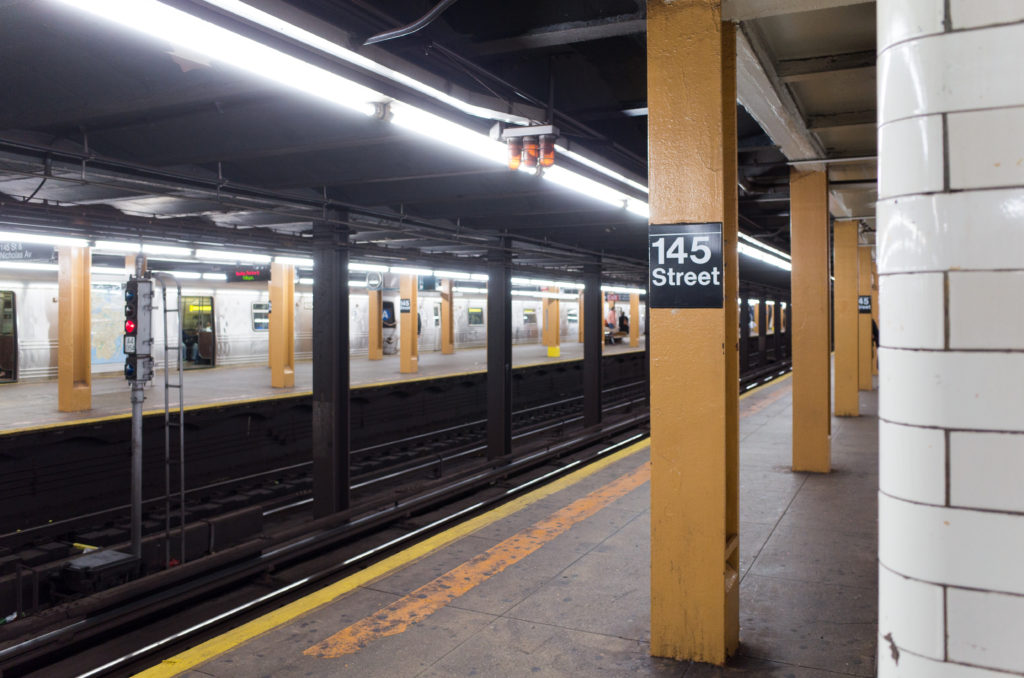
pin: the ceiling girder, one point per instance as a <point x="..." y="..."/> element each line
<point x="566" y="34"/>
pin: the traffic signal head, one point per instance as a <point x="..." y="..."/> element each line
<point x="138" y="324"/>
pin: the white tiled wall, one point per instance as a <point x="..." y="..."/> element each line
<point x="951" y="267"/>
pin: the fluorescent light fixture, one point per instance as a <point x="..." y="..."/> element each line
<point x="305" y="281"/>
<point x="294" y="261"/>
<point x="769" y="248"/>
<point x="193" y="34"/>
<point x="324" y="45"/>
<point x="481" y="277"/>
<point x="407" y="270"/>
<point x="623" y="290"/>
<point x="215" y="276"/>
<point x="761" y="255"/>
<point x="169" y="250"/>
<point x="453" y="275"/>
<point x="600" y="168"/>
<point x="356" y="266"/>
<point x="533" y="282"/>
<point x="28" y="266"/>
<point x="34" y="239"/>
<point x="471" y="290"/>
<point x="225" y="255"/>
<point x="357" y="283"/>
<point x="108" y="270"/>
<point x="183" y="275"/>
<point x="544" y="295"/>
<point x="114" y="246"/>
<point x="170" y="25"/>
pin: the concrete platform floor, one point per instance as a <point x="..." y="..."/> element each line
<point x="34" y="404"/>
<point x="579" y="604"/>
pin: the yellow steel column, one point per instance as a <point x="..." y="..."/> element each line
<point x="579" y="317"/>
<point x="844" y="257"/>
<point x="634" y="320"/>
<point x="447" y="319"/>
<point x="74" y="350"/>
<point x="550" y="336"/>
<point x="693" y="580"/>
<point x="375" y="326"/>
<point x="864" y="320"/>
<point x="809" y="281"/>
<point x="282" y="325"/>
<point x="874" y="312"/>
<point x="731" y="291"/>
<point x="408" y="325"/>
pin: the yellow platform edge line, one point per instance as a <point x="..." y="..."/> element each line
<point x="172" y="666"/>
<point x="774" y="382"/>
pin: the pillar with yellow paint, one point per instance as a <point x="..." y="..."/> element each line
<point x="634" y="320"/>
<point x="694" y="540"/>
<point x="408" y="325"/>
<point x="375" y="326"/>
<point x="282" y="325"/>
<point x="864" y="320"/>
<point x="808" y="199"/>
<point x="580" y="322"/>
<point x="552" y="324"/>
<point x="447" y="319"/>
<point x="74" y="326"/>
<point x="844" y="257"/>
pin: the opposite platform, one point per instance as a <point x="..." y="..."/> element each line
<point x="34" y="404"/>
<point x="557" y="583"/>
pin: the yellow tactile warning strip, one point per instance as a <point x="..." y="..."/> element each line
<point x="431" y="597"/>
<point x="214" y="647"/>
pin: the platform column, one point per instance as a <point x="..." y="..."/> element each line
<point x="499" y="355"/>
<point x="744" y="333"/>
<point x="408" y="325"/>
<point x="593" y="340"/>
<point x="864" y="320"/>
<point x="551" y="323"/>
<point x="809" y="230"/>
<point x="282" y="325"/>
<point x="634" y="320"/>
<point x="694" y="581"/>
<point x="762" y="331"/>
<point x="447" y="318"/>
<point x="844" y="257"/>
<point x="580" y="322"/>
<point x="330" y="369"/>
<point x="375" y="325"/>
<point x="74" y="349"/>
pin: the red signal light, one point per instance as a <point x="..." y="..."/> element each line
<point x="129" y="327"/>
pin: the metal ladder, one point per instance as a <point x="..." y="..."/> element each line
<point x="173" y="419"/>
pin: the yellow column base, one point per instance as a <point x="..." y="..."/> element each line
<point x="554" y="351"/>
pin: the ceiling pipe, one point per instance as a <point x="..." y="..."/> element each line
<point x="409" y="29"/>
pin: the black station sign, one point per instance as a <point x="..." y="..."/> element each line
<point x="405" y="306"/>
<point x="686" y="265"/>
<point x="249" y="274"/>
<point x="27" y="252"/>
<point x="864" y="303"/>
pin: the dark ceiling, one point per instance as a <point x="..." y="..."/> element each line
<point x="109" y="130"/>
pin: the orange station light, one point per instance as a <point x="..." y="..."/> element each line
<point x="531" y="150"/>
<point x="515" y="152"/>
<point x="547" y="150"/>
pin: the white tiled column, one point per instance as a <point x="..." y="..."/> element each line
<point x="951" y="279"/>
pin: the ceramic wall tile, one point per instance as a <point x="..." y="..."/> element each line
<point x="985" y="470"/>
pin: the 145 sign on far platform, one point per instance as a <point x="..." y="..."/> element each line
<point x="686" y="265"/>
